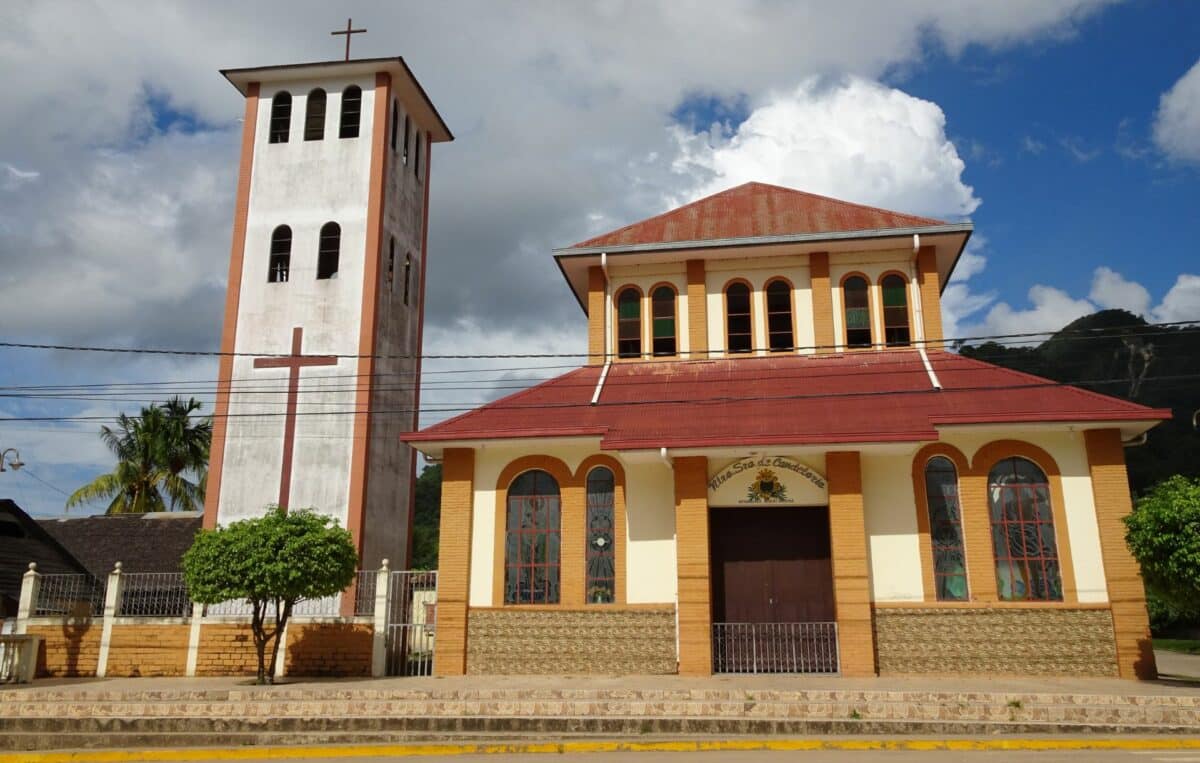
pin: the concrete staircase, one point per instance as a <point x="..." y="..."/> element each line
<point x="77" y="717"/>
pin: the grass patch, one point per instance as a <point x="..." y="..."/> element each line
<point x="1185" y="645"/>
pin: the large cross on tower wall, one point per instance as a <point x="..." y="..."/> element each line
<point x="293" y="363"/>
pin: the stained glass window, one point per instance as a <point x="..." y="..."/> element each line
<point x="1027" y="564"/>
<point x="601" y="538"/>
<point x="779" y="317"/>
<point x="737" y="318"/>
<point x="945" y="529"/>
<point x="532" y="540"/>
<point x="629" y="323"/>
<point x="895" y="311"/>
<point x="662" y="309"/>
<point x="858" y="313"/>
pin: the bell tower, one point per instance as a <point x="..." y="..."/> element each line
<point x="320" y="367"/>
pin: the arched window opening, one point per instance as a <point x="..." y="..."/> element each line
<point x="417" y="156"/>
<point x="779" y="317"/>
<point x="1027" y="565"/>
<point x="395" y="123"/>
<point x="351" y="112"/>
<point x="407" y="275"/>
<point x="629" y="323"/>
<point x="662" y="313"/>
<point x="314" y="115"/>
<point x="407" y="130"/>
<point x="895" y="311"/>
<point x="532" y="540"/>
<point x="857" y="312"/>
<point x="329" y="248"/>
<point x="391" y="271"/>
<point x="738" y="334"/>
<point x="945" y="529"/>
<point x="601" y="553"/>
<point x="280" y="263"/>
<point x="281" y="117"/>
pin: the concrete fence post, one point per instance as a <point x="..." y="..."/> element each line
<point x="383" y="600"/>
<point x="112" y="598"/>
<point x="193" y="653"/>
<point x="31" y="584"/>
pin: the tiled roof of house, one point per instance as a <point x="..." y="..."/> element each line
<point x="781" y="399"/>
<point x="756" y="210"/>
<point x="140" y="542"/>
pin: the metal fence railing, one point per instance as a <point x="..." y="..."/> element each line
<point x="153" y="594"/>
<point x="70" y="596"/>
<point x="329" y="606"/>
<point x="364" y="592"/>
<point x="412" y="623"/>
<point x="775" y="648"/>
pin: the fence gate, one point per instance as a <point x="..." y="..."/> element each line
<point x="412" y="622"/>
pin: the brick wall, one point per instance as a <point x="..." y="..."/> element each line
<point x="328" y="649"/>
<point x="148" y="650"/>
<point x="69" y="649"/>
<point x="571" y="642"/>
<point x="995" y="641"/>
<point x="226" y="649"/>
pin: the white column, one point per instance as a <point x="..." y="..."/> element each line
<point x="193" y="653"/>
<point x="379" y="630"/>
<point x="112" y="596"/>
<point x="31" y="583"/>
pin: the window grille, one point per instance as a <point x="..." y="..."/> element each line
<point x="895" y="311"/>
<point x="314" y="115"/>
<point x="600" y="553"/>
<point x="629" y="323"/>
<point x="280" y="263"/>
<point x="328" y="251"/>
<point x="738" y="333"/>
<point x="532" y="542"/>
<point x="1027" y="564"/>
<point x="857" y="312"/>
<point x="945" y="530"/>
<point x="281" y="117"/>
<point x="662" y="314"/>
<point x="779" y="316"/>
<point x="351" y="112"/>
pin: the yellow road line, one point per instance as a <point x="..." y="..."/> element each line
<point x="484" y="748"/>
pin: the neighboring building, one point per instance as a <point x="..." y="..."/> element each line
<point x="153" y="542"/>
<point x="781" y="469"/>
<point x="325" y="296"/>
<point x="23" y="540"/>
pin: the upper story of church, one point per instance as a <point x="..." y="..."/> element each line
<point x="761" y="269"/>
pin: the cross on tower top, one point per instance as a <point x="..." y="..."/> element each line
<point x="349" y="30"/>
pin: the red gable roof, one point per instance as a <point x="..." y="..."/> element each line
<point x="755" y="210"/>
<point x="851" y="398"/>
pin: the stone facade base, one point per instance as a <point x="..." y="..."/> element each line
<point x="995" y="641"/>
<point x="570" y="642"/>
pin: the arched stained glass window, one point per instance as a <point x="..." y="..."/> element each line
<point x="662" y="309"/>
<point x="896" y="331"/>
<point x="314" y="115"/>
<point x="629" y="323"/>
<point x="1027" y="565"/>
<point x="532" y="540"/>
<point x="945" y="529"/>
<point x="329" y="249"/>
<point x="601" y="537"/>
<point x="739" y="335"/>
<point x="779" y="316"/>
<point x="281" y="117"/>
<point x="857" y="312"/>
<point x="280" y="263"/>
<point x="351" y="112"/>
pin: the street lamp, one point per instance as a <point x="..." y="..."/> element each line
<point x="16" y="462"/>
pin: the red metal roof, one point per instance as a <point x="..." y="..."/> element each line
<point x="852" y="398"/>
<point x="754" y="210"/>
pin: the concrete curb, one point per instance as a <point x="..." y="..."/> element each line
<point x="489" y="748"/>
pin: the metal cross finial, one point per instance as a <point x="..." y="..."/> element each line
<point x="349" y="31"/>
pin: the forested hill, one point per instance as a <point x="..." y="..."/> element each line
<point x="1117" y="353"/>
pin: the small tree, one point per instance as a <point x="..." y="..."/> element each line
<point x="272" y="562"/>
<point x="1163" y="533"/>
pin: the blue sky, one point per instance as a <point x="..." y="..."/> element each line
<point x="1041" y="121"/>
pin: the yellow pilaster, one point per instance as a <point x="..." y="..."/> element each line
<point x="596" y="310"/>
<point x="848" y="541"/>
<point x="822" y="301"/>
<point x="695" y="587"/>
<point x="697" y="307"/>
<point x="454" y="561"/>
<point x="931" y="297"/>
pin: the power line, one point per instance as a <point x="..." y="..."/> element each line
<point x="25" y="470"/>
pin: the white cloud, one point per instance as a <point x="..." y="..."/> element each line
<point x="855" y="139"/>
<point x="1177" y="123"/>
<point x="1110" y="289"/>
<point x="12" y="178"/>
<point x="1182" y="302"/>
<point x="1032" y="145"/>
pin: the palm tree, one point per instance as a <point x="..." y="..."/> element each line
<point x="155" y="451"/>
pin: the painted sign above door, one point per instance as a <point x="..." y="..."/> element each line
<point x="767" y="481"/>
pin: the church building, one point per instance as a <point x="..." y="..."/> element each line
<point x="772" y="463"/>
<point x="321" y="346"/>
